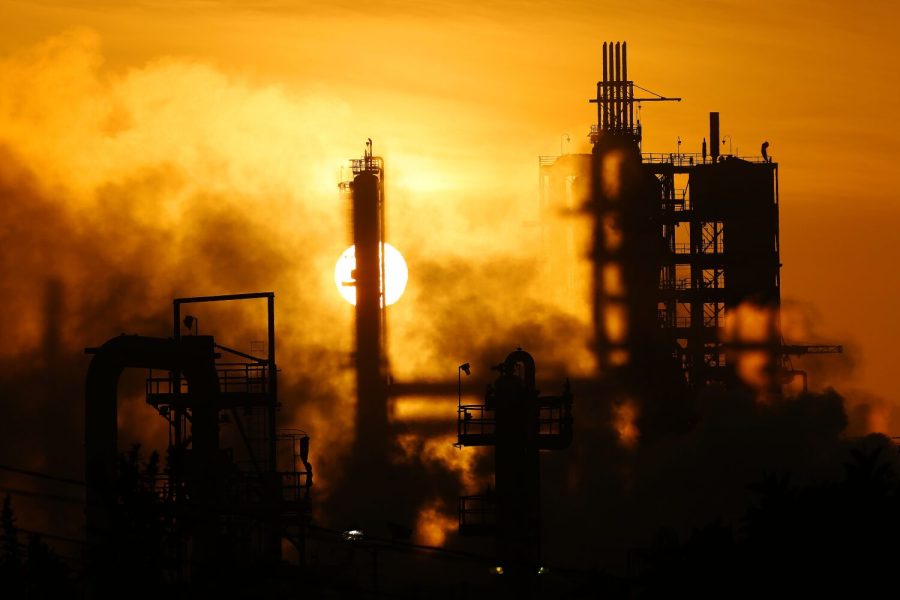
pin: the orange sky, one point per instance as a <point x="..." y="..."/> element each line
<point x="460" y="101"/>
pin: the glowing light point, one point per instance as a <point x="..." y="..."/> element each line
<point x="395" y="272"/>
<point x="352" y="535"/>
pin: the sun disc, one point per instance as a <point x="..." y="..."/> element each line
<point x="395" y="271"/>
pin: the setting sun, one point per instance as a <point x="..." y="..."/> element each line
<point x="396" y="274"/>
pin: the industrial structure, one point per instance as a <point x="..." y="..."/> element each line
<point x="686" y="293"/>
<point x="372" y="432"/>
<point x="235" y="485"/>
<point x="685" y="257"/>
<point x="518" y="423"/>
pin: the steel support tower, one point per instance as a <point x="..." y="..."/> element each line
<point x="235" y="485"/>
<point x="685" y="253"/>
<point x="518" y="423"/>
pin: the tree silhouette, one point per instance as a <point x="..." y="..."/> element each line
<point x="11" y="562"/>
<point x="808" y="539"/>
<point x="38" y="572"/>
<point x="141" y="524"/>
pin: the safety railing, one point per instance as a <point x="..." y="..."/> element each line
<point x="595" y="132"/>
<point x="243" y="378"/>
<point x="475" y="422"/>
<point x="477" y="514"/>
<point x="240" y="378"/>
<point x="551" y="420"/>
<point x="676" y="284"/>
<point x="295" y="486"/>
<point x="671" y="158"/>
<point x="688" y="159"/>
<point x="369" y="164"/>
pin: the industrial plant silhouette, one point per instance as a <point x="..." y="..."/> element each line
<point x="694" y="461"/>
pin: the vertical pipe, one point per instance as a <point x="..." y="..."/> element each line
<point x="714" y="140"/>
<point x="203" y="383"/>
<point x="603" y="121"/>
<point x="195" y="357"/>
<point x="273" y="381"/>
<point x="618" y="112"/>
<point x="605" y="75"/>
<point x="629" y="91"/>
<point x="371" y="409"/>
<point x="273" y="533"/>
<point x="517" y="472"/>
<point x="382" y="273"/>
<point x="610" y="89"/>
<point x="175" y="383"/>
<point x="176" y="311"/>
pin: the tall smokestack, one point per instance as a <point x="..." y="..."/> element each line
<point x="714" y="136"/>
<point x="371" y="393"/>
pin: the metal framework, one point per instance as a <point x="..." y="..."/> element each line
<point x="701" y="277"/>
<point x="680" y="241"/>
<point x="264" y="474"/>
<point x="518" y="423"/>
<point x="615" y="97"/>
<point x="366" y="196"/>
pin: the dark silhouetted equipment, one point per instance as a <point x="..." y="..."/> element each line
<point x="788" y="371"/>
<point x="518" y="422"/>
<point x="714" y="136"/>
<point x="615" y="97"/>
<point x="192" y="324"/>
<point x="796" y="350"/>
<point x="679" y="243"/>
<point x="366" y="192"/>
<point x="233" y="489"/>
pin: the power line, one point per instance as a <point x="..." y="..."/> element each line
<point x="41" y="475"/>
<point x="51" y="536"/>
<point x="78" y="560"/>
<point x="40" y="495"/>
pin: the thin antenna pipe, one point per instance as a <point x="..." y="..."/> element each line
<point x="618" y="104"/>
<point x="610" y="91"/>
<point x="629" y="105"/>
<point x="603" y="121"/>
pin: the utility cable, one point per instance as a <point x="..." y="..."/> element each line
<point x="41" y="475"/>
<point x="40" y="495"/>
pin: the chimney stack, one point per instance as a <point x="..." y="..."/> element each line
<point x="714" y="140"/>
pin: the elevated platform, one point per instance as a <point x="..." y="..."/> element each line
<point x="240" y="384"/>
<point x="477" y="515"/>
<point x="476" y="423"/>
